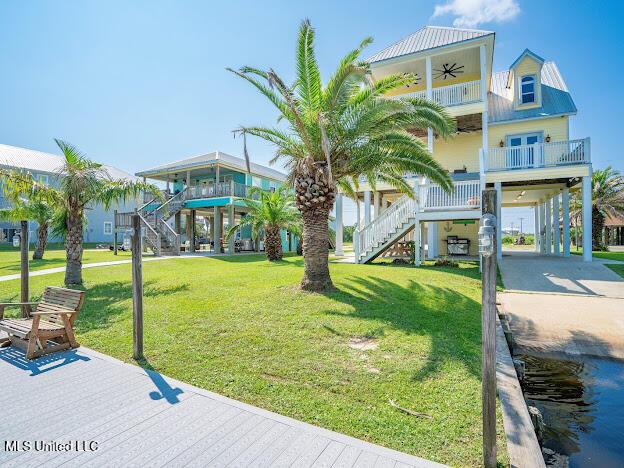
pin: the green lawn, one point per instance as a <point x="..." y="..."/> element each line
<point x="53" y="257"/>
<point x="619" y="269"/>
<point x="606" y="255"/>
<point x="239" y="326"/>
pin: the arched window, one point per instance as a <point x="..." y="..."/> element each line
<point x="527" y="89"/>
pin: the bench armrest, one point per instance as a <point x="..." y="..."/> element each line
<point x="3" y="305"/>
<point x="16" y="304"/>
<point x="55" y="312"/>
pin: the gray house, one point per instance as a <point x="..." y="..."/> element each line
<point x="45" y="168"/>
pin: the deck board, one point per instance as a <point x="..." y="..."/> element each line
<point x="141" y="418"/>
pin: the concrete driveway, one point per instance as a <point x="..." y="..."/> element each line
<point x="525" y="271"/>
<point x="563" y="305"/>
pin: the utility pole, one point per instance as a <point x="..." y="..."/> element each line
<point x="521" y="219"/>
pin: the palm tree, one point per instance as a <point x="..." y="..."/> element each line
<point x="339" y="132"/>
<point x="607" y="200"/>
<point x="83" y="184"/>
<point x="269" y="213"/>
<point x="34" y="208"/>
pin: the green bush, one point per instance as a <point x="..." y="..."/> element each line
<point x="509" y="239"/>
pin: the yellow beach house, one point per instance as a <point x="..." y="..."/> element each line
<point x="513" y="134"/>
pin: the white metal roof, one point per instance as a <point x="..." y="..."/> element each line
<point x="556" y="99"/>
<point x="40" y="162"/>
<point x="207" y="159"/>
<point x="426" y="38"/>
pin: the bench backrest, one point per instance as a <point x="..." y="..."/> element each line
<point x="60" y="300"/>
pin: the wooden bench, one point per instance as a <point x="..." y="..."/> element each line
<point x="53" y="319"/>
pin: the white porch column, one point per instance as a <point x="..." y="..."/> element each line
<point x="417" y="257"/>
<point x="358" y="215"/>
<point x="556" y="225"/>
<point x="542" y="214"/>
<point x="339" y="225"/>
<point x="548" y="237"/>
<point x="432" y="239"/>
<point x="536" y="229"/>
<point x="367" y="207"/>
<point x="587" y="218"/>
<point x="565" y="215"/>
<point x="376" y="204"/>
<point x="499" y="222"/>
<point x="188" y="178"/>
<point x="429" y="94"/>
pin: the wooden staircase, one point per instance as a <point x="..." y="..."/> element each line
<point x="381" y="233"/>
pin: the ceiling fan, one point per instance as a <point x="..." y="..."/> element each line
<point x="417" y="79"/>
<point x="452" y="70"/>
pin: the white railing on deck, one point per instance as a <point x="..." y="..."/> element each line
<point x="453" y="95"/>
<point x="466" y="196"/>
<point x="378" y="230"/>
<point x="557" y="153"/>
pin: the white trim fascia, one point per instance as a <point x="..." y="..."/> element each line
<point x="550" y="116"/>
<point x="427" y="52"/>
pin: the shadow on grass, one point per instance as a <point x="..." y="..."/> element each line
<point x="258" y="257"/>
<point x="107" y="300"/>
<point x="449" y="318"/>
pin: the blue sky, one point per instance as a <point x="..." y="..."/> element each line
<point x="135" y="84"/>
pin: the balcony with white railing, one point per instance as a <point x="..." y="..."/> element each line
<point x="538" y="155"/>
<point x="465" y="196"/>
<point x="453" y="95"/>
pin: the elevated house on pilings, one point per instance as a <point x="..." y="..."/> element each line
<point x="512" y="134"/>
<point x="202" y="197"/>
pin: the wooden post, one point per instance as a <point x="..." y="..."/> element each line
<point x="115" y="234"/>
<point x="25" y="295"/>
<point x="488" y="338"/>
<point x="137" y="289"/>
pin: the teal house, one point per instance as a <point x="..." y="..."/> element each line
<point x="203" y="197"/>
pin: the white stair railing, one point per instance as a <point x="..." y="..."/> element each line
<point x="464" y="195"/>
<point x="381" y="228"/>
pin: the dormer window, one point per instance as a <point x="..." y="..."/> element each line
<point x="527" y="89"/>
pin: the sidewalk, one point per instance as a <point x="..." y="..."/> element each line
<point x="123" y="415"/>
<point x="564" y="305"/>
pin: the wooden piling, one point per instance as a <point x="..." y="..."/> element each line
<point x="24" y="269"/>
<point x="137" y="289"/>
<point x="488" y="319"/>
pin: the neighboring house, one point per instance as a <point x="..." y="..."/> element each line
<point x="45" y="168"/>
<point x="613" y="233"/>
<point x="203" y="193"/>
<point x="512" y="135"/>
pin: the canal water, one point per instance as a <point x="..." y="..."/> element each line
<point x="582" y="403"/>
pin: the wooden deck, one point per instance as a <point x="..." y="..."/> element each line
<point x="140" y="418"/>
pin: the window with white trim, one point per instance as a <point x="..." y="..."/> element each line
<point x="527" y="89"/>
<point x="108" y="227"/>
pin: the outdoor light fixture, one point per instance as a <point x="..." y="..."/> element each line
<point x="486" y="235"/>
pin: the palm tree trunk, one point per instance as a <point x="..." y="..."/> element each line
<point x="316" y="252"/>
<point x="42" y="241"/>
<point x="315" y="196"/>
<point x="74" y="248"/>
<point x="273" y="244"/>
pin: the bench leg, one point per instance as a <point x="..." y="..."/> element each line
<point x="69" y="332"/>
<point x="4" y="342"/>
<point x="32" y="347"/>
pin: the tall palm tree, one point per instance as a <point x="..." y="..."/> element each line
<point x="339" y="132"/>
<point x="607" y="200"/>
<point x="35" y="208"/>
<point x="269" y="213"/>
<point x="83" y="184"/>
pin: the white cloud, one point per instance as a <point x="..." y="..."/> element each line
<point x="471" y="13"/>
